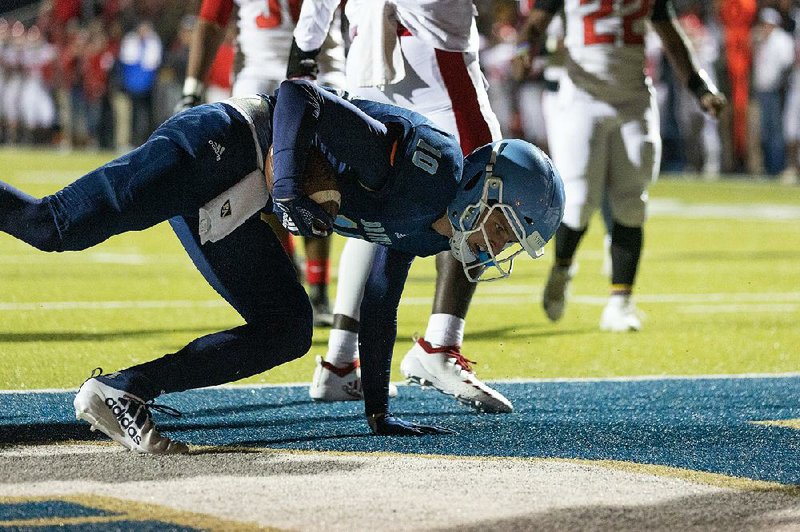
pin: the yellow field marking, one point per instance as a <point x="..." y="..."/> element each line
<point x="70" y="521"/>
<point x="787" y="423"/>
<point x="126" y="510"/>
<point x="699" y="477"/>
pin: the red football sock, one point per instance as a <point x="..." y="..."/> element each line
<point x="317" y="271"/>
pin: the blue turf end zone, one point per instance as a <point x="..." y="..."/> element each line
<point x="697" y="424"/>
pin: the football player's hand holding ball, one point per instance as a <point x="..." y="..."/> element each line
<point x="313" y="212"/>
<point x="302" y="216"/>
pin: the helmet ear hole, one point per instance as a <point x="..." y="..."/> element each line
<point x="472" y="182"/>
<point x="528" y="220"/>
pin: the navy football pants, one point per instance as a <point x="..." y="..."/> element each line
<point x="173" y="174"/>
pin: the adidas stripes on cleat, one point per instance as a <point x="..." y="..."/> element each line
<point x="124" y="418"/>
<point x="331" y="383"/>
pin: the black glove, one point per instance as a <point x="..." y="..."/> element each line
<point x="389" y="425"/>
<point x="187" y="101"/>
<point x="192" y="94"/>
<point x="303" y="217"/>
<point x="302" y="65"/>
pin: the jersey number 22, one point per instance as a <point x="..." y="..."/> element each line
<point x="633" y="11"/>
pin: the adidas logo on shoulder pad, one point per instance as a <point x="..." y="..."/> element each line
<point x="217" y="148"/>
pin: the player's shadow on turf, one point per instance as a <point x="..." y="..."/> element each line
<point x="257" y="423"/>
<point x="82" y="336"/>
<point x="241" y="409"/>
<point x="518" y="333"/>
<point x="43" y="433"/>
<point x="46" y="433"/>
<point x="300" y="439"/>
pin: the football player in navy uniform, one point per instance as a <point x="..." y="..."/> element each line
<point x="402" y="183"/>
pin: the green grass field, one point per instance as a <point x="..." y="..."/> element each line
<point x="719" y="283"/>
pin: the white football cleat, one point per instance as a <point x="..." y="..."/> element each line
<point x="336" y="384"/>
<point x="554" y="298"/>
<point x="446" y="369"/>
<point x="331" y="383"/>
<point x="620" y="315"/>
<point x="124" y="418"/>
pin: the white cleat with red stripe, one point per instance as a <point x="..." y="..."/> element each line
<point x="334" y="383"/>
<point x="446" y="369"/>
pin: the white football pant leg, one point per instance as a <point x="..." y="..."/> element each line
<point x="635" y="152"/>
<point x="354" y="267"/>
<point x="578" y="144"/>
<point x="247" y="83"/>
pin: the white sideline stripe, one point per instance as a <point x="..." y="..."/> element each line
<point x="716" y="302"/>
<point x="556" y="380"/>
<point x="130" y="259"/>
<point x="110" y="305"/>
<point x="733" y="309"/>
<point x="712" y="297"/>
<point x="734" y="211"/>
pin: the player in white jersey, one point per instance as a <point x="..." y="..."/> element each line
<point x="422" y="55"/>
<point x="15" y="79"/>
<point x="264" y="39"/>
<point x="5" y="35"/>
<point x="606" y="139"/>
<point x="37" y="104"/>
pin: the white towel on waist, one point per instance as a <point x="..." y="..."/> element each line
<point x="220" y="216"/>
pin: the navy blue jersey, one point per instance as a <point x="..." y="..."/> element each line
<point x="422" y="182"/>
<point x="397" y="172"/>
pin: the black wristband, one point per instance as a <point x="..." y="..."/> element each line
<point x="700" y="84"/>
<point x="302" y="64"/>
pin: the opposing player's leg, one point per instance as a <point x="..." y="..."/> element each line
<point x="452" y="94"/>
<point x="317" y="273"/>
<point x="250" y="270"/>
<point x="436" y="359"/>
<point x="337" y="376"/>
<point x="578" y="142"/>
<point x="635" y="152"/>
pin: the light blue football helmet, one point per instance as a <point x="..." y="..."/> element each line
<point x="518" y="179"/>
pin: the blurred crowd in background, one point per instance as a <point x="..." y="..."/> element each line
<point x="102" y="74"/>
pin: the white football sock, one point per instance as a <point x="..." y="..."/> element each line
<point x="445" y="329"/>
<point x="342" y="347"/>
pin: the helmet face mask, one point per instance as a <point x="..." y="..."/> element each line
<point x="484" y="264"/>
<point x="523" y="188"/>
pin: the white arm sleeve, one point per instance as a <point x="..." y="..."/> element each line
<point x="315" y="20"/>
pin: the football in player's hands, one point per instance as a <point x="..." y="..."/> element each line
<point x="318" y="183"/>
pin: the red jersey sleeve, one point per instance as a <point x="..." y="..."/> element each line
<point x="218" y="11"/>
